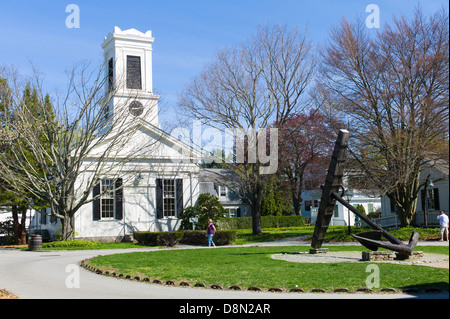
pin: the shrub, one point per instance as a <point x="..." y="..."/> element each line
<point x="194" y="237"/>
<point x="71" y="243"/>
<point x="198" y="237"/>
<point x="207" y="207"/>
<point x="158" y="238"/>
<point x="170" y="239"/>
<point x="188" y="237"/>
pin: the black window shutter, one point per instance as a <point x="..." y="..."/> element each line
<point x="422" y="199"/>
<point x="110" y="74"/>
<point x="96" y="203"/>
<point x="179" y="196"/>
<point x="436" y="199"/>
<point x="119" y="198"/>
<point x="238" y="212"/>
<point x="159" y="199"/>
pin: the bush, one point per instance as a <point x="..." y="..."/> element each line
<point x="71" y="243"/>
<point x="158" y="238"/>
<point x="208" y="207"/>
<point x="266" y="222"/>
<point x="198" y="237"/>
<point x="188" y="237"/>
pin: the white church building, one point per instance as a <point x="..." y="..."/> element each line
<point x="157" y="185"/>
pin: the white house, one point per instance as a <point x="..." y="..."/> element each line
<point x="370" y="200"/>
<point x="436" y="200"/>
<point x="212" y="181"/>
<point x="342" y="216"/>
<point x="162" y="177"/>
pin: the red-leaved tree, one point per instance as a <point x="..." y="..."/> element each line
<point x="305" y="146"/>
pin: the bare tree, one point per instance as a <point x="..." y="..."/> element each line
<point x="244" y="90"/>
<point x="78" y="143"/>
<point x="392" y="89"/>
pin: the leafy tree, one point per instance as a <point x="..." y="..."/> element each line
<point x="19" y="198"/>
<point x="273" y="203"/>
<point x="304" y="143"/>
<point x="207" y="207"/>
<point x="361" y="209"/>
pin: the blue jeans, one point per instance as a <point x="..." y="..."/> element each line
<point x="210" y="241"/>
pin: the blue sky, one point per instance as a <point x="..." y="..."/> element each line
<point x="187" y="33"/>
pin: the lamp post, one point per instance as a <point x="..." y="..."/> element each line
<point x="348" y="197"/>
<point x="428" y="183"/>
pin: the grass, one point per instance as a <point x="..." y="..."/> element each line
<point x="334" y="234"/>
<point x="245" y="236"/>
<point x="252" y="266"/>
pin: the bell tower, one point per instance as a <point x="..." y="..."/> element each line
<point x="128" y="63"/>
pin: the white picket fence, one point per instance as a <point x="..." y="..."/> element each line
<point x="393" y="221"/>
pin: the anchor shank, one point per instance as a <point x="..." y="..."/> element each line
<point x="369" y="222"/>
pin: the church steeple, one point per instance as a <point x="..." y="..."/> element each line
<point x="128" y="61"/>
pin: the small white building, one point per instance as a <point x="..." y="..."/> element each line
<point x="342" y="216"/>
<point x="436" y="200"/>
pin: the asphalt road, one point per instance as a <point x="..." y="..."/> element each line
<point x="56" y="275"/>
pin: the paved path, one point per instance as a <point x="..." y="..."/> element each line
<point x="49" y="274"/>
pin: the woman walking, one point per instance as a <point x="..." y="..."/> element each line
<point x="210" y="231"/>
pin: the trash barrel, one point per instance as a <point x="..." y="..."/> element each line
<point x="35" y="242"/>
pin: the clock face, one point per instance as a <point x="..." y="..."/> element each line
<point x="136" y="108"/>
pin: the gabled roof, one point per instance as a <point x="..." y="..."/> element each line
<point x="149" y="142"/>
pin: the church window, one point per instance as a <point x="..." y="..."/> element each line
<point x="108" y="199"/>
<point x="169" y="197"/>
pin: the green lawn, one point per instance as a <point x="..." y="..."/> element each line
<point x="334" y="234"/>
<point x="252" y="266"/>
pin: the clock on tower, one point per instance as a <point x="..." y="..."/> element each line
<point x="128" y="60"/>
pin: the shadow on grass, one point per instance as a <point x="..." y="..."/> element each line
<point x="427" y="287"/>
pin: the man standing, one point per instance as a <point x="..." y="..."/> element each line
<point x="443" y="223"/>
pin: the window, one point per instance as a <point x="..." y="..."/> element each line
<point x="222" y="190"/>
<point x="134" y="72"/>
<point x="107" y="200"/>
<point x="308" y="204"/>
<point x="231" y="212"/>
<point x="43" y="216"/>
<point x="336" y="211"/>
<point x="432" y="199"/>
<point x="168" y="197"/>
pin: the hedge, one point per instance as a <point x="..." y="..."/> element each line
<point x="188" y="237"/>
<point x="71" y="243"/>
<point x="158" y="238"/>
<point x="266" y="222"/>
